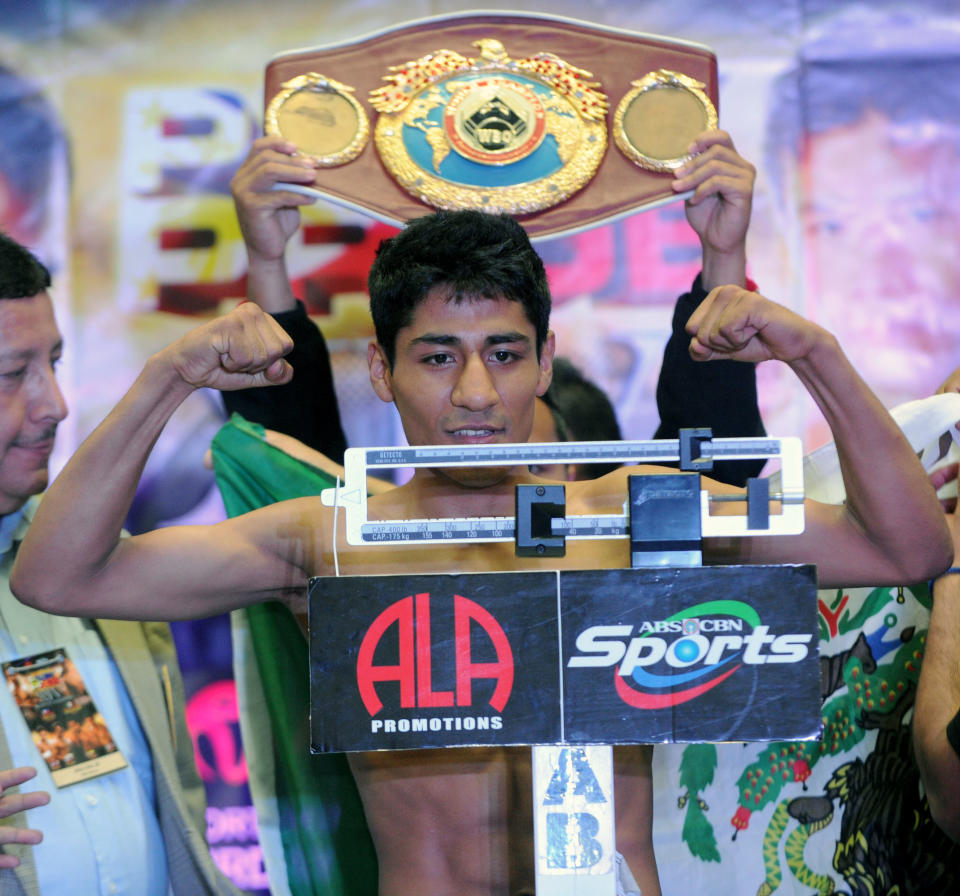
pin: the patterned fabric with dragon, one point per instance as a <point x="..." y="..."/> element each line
<point x="843" y="814"/>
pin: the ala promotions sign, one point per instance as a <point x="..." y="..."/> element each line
<point x="417" y="661"/>
<point x="578" y="657"/>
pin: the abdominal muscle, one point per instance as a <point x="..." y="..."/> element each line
<point x="443" y="821"/>
<point x="460" y="820"/>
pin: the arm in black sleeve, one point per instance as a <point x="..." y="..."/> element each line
<point x="719" y="394"/>
<point x="306" y="407"/>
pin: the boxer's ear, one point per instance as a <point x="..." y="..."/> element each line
<point x="380" y="377"/>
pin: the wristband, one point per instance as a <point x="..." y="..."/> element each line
<point x="953" y="570"/>
<point x="953" y="733"/>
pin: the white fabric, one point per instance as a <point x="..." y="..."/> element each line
<point x="923" y="422"/>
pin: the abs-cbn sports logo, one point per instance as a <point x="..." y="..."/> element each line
<point x="399" y="665"/>
<point x="670" y="661"/>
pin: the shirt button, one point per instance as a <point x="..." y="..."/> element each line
<point x="113" y="887"/>
<point x="91" y="799"/>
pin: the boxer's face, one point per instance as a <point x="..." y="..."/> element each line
<point x="465" y="373"/>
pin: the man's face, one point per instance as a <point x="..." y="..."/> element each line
<point x="465" y="373"/>
<point x="31" y="404"/>
<point x="881" y="249"/>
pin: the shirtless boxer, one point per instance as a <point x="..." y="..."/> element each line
<point x="461" y="309"/>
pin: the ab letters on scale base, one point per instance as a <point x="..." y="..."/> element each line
<point x="573" y="661"/>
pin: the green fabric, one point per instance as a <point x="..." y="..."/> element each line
<point x="325" y="837"/>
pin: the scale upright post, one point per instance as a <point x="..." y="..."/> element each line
<point x="573" y="787"/>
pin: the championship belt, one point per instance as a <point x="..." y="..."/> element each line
<point x="560" y="123"/>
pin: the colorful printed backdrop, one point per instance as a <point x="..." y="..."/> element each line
<point x="121" y="124"/>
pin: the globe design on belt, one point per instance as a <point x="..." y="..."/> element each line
<point x="493" y="133"/>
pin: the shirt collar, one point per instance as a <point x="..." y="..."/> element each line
<point x="13" y="526"/>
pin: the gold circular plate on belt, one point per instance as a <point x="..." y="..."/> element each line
<point x="656" y="120"/>
<point x="322" y="117"/>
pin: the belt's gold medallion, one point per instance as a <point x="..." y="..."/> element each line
<point x="656" y="120"/>
<point x="516" y="136"/>
<point x="321" y="116"/>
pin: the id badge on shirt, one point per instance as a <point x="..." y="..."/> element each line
<point x="67" y="729"/>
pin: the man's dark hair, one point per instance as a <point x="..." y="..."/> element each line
<point x="21" y="274"/>
<point x="471" y="254"/>
<point x="584" y="406"/>
<point x="559" y="424"/>
<point x="587" y="413"/>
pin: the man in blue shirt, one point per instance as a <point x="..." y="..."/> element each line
<point x="113" y="825"/>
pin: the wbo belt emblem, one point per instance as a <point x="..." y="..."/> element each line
<point x="495" y="121"/>
<point x="493" y="133"/>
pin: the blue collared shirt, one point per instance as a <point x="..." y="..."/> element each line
<point x="100" y="836"/>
